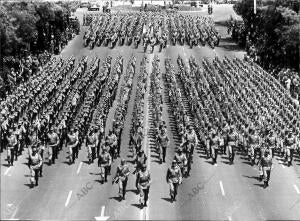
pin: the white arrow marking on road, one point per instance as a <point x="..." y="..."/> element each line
<point x="7" y="170"/>
<point x="222" y="189"/>
<point x="78" y="170"/>
<point x="102" y="217"/>
<point x="68" y="198"/>
<point x="296" y="188"/>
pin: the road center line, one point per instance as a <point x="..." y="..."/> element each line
<point x="79" y="167"/>
<point x="296" y="188"/>
<point x="142" y="215"/>
<point x="102" y="210"/>
<point x="7" y="170"/>
<point x="222" y="188"/>
<point x="68" y="198"/>
<point x="146" y="214"/>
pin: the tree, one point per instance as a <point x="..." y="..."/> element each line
<point x="274" y="31"/>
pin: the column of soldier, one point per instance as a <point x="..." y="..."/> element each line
<point x="55" y="109"/>
<point x="157" y="123"/>
<point x="241" y="108"/>
<point x="137" y="134"/>
<point x="181" y="165"/>
<point x="108" y="144"/>
<point x="152" y="28"/>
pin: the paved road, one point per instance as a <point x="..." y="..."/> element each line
<point x="225" y="192"/>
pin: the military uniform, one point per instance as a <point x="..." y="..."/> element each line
<point x="174" y="178"/>
<point x="104" y="161"/>
<point x="144" y="179"/>
<point x="91" y="143"/>
<point x="122" y="176"/>
<point x="163" y="142"/>
<point x="53" y="141"/>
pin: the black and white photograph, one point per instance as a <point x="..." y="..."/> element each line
<point x="150" y="110"/>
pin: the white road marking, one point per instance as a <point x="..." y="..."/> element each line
<point x="102" y="210"/>
<point x="222" y="188"/>
<point x="229" y="218"/>
<point x="216" y="165"/>
<point x="7" y="170"/>
<point x="68" y="199"/>
<point x="296" y="188"/>
<point x="147" y="213"/>
<point x="79" y="167"/>
<point x="142" y="215"/>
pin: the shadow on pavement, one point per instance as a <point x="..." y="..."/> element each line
<point x="251" y="177"/>
<point x="259" y="184"/>
<point x="5" y="164"/>
<point x="225" y="162"/>
<point x="86" y="162"/>
<point x="210" y="162"/>
<point x="244" y="158"/>
<point x="116" y="198"/>
<point x="247" y="162"/>
<point x="137" y="205"/>
<point x="99" y="181"/>
<point x="166" y="199"/>
<point x="28" y="185"/>
<point x="133" y="191"/>
<point x="156" y="161"/>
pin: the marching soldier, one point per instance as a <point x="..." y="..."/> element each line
<point x="122" y="177"/>
<point x="266" y="164"/>
<point x="91" y="144"/>
<point x="163" y="142"/>
<point x="232" y="141"/>
<point x="214" y="143"/>
<point x="174" y="179"/>
<point x="144" y="181"/>
<point x="12" y="142"/>
<point x="35" y="165"/>
<point x="181" y="161"/>
<point x="72" y="144"/>
<point x="272" y="142"/>
<point x="290" y="143"/>
<point x="53" y="142"/>
<point x="104" y="162"/>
